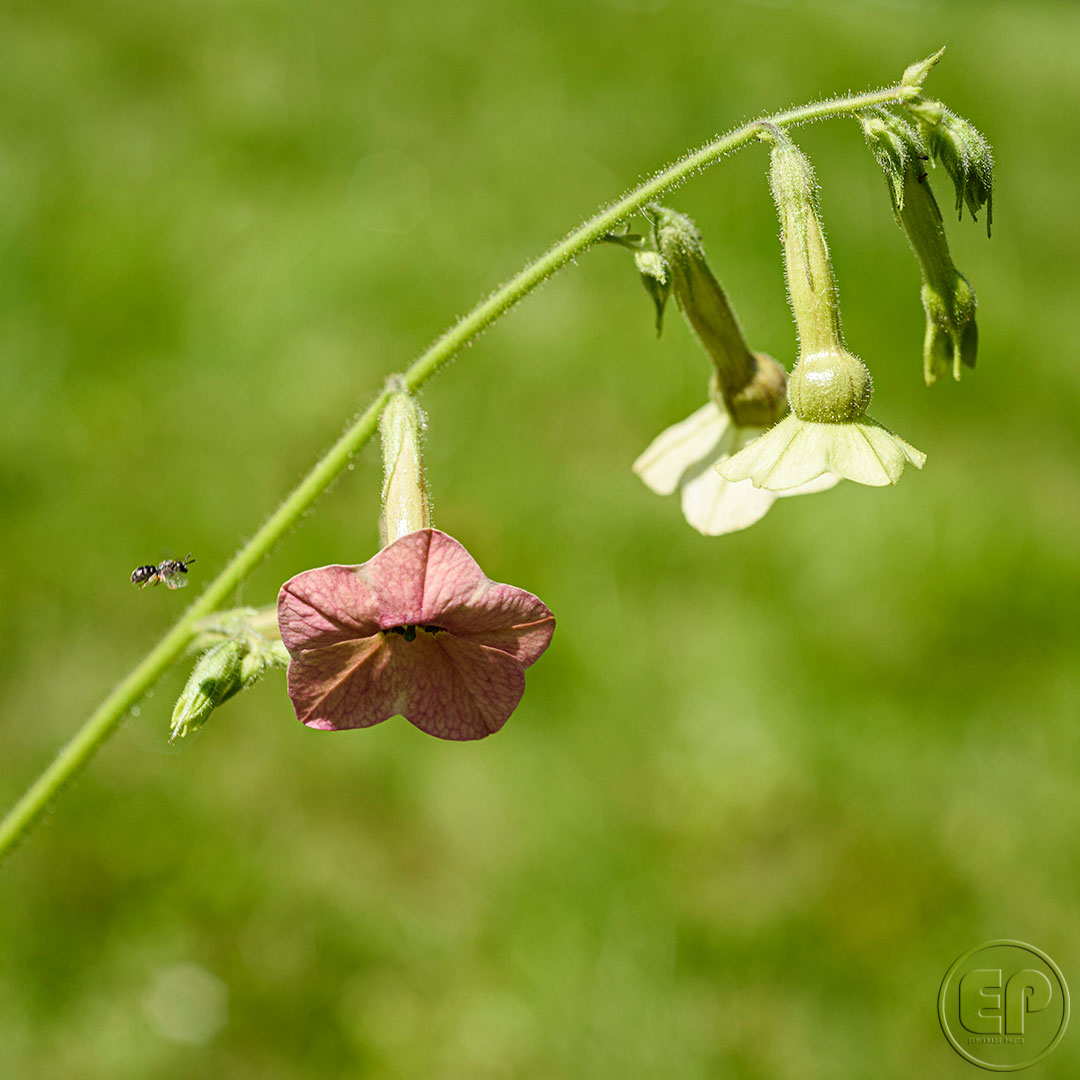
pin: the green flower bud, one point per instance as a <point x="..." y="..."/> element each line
<point x="915" y="74"/>
<point x="214" y="679"/>
<point x="749" y="385"/>
<point x="963" y="152"/>
<point x="406" y="507"/>
<point x="222" y="671"/>
<point x="949" y="301"/>
<point x="952" y="336"/>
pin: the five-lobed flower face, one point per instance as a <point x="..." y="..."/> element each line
<point x="419" y="630"/>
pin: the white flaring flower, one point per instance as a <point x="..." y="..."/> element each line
<point x="828" y="431"/>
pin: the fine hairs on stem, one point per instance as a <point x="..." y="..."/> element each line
<point x="107" y="717"/>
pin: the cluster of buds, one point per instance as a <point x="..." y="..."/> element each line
<point x="236" y="649"/>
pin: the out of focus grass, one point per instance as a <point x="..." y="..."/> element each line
<point x="762" y="790"/>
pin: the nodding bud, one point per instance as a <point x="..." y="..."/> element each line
<point x="949" y="301"/>
<point x="406" y="507"/>
<point x="749" y="385"/>
<point x="963" y="152"/>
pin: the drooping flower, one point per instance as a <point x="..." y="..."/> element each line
<point x="747" y="393"/>
<point x="419" y="630"/>
<point x="828" y="430"/>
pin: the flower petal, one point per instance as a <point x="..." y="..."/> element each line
<point x="782" y="458"/>
<point x="812" y="487"/>
<point x="701" y="439"/>
<point x="459" y="597"/>
<point x="715" y="506"/>
<point x="868" y="454"/>
<point x="447" y="687"/>
<point x="346" y="685"/>
<point x="408" y="575"/>
<point x="326" y="606"/>
<point x="456" y="689"/>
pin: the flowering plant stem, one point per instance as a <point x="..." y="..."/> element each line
<point x="107" y="717"/>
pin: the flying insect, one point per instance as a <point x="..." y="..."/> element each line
<point x="172" y="573"/>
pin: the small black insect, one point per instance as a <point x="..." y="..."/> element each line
<point x="171" y="572"/>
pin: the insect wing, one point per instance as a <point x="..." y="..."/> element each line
<point x="174" y="579"/>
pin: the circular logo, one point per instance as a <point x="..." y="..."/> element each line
<point x="1003" y="1005"/>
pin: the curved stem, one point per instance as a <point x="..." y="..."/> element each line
<point x="105" y="720"/>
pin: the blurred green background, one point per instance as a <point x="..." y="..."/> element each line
<point x="763" y="789"/>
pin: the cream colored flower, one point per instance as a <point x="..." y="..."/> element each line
<point x="827" y="432"/>
<point x="683" y="458"/>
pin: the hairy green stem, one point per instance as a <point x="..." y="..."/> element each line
<point x="105" y="720"/>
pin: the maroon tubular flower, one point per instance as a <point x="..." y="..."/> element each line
<point x="418" y="630"/>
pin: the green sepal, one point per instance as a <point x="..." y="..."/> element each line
<point x="656" y="279"/>
<point x="896" y="146"/>
<point x="963" y="152"/>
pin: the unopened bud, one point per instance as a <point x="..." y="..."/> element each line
<point x="221" y="672"/>
<point x="915" y="74"/>
<point x="214" y="679"/>
<point x="949" y="301"/>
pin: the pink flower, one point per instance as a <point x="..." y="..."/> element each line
<point x="418" y="630"/>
